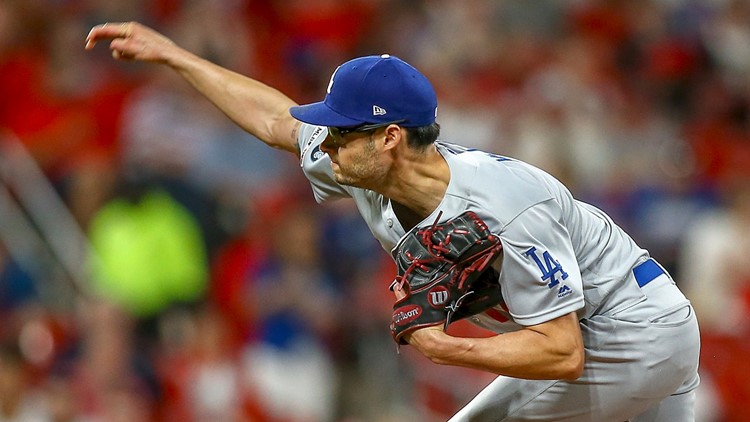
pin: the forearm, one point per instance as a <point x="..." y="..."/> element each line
<point x="527" y="353"/>
<point x="257" y="108"/>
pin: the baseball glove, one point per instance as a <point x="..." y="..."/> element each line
<point x="445" y="272"/>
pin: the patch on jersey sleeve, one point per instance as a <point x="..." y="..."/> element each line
<point x="316" y="153"/>
<point x="551" y="270"/>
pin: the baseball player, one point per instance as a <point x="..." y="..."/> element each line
<point x="591" y="327"/>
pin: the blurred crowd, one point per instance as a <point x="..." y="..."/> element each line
<point x="216" y="290"/>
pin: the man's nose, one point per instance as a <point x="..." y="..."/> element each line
<point x="328" y="145"/>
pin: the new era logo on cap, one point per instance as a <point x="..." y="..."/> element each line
<point x="372" y="90"/>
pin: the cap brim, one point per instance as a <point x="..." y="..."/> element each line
<point x="320" y="114"/>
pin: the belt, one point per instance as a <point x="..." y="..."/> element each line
<point x="647" y="271"/>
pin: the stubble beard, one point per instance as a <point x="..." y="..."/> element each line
<point x="363" y="170"/>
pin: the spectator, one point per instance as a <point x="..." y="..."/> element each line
<point x="200" y="370"/>
<point x="110" y="379"/>
<point x="715" y="267"/>
<point x="148" y="252"/>
<point x="716" y="272"/>
<point x="19" y="399"/>
<point x="290" y="363"/>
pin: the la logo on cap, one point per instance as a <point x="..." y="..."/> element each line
<point x="378" y="111"/>
<point x="330" y="83"/>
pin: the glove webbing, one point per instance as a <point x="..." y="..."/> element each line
<point x="420" y="263"/>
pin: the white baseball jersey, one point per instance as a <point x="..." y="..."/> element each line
<point x="559" y="255"/>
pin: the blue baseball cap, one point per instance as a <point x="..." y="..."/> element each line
<point x="373" y="90"/>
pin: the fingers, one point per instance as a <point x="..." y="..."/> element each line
<point x="394" y="283"/>
<point x="109" y="31"/>
<point x="398" y="290"/>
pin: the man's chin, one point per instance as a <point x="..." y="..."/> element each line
<point x="343" y="180"/>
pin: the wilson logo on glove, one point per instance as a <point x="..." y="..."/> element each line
<point x="406" y="314"/>
<point x="438" y="296"/>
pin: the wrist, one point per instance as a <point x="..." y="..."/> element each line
<point x="178" y="58"/>
<point x="429" y="341"/>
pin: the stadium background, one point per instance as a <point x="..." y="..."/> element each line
<point x="158" y="264"/>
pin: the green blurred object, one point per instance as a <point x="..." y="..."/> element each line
<point x="150" y="253"/>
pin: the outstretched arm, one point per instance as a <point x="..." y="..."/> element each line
<point x="257" y="108"/>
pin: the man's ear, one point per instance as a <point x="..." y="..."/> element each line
<point x="394" y="135"/>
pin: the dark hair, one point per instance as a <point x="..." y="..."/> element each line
<point x="420" y="137"/>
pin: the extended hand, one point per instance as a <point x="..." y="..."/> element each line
<point x="132" y="41"/>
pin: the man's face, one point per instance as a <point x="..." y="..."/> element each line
<point x="356" y="159"/>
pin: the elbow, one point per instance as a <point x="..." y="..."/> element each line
<point x="572" y="367"/>
<point x="279" y="132"/>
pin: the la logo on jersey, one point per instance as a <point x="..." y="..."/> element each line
<point x="551" y="269"/>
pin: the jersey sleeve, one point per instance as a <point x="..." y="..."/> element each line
<point x="316" y="165"/>
<point x="539" y="277"/>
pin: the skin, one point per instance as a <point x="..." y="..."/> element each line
<point x="379" y="160"/>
